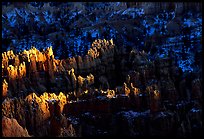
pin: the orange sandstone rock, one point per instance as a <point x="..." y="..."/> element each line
<point x="11" y="128"/>
<point x="5" y="88"/>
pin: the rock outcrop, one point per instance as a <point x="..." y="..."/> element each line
<point x="11" y="128"/>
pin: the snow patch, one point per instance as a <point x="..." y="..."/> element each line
<point x="194" y="110"/>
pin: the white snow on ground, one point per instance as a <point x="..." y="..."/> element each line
<point x="185" y="65"/>
<point x="133" y="12"/>
<point x="73" y="120"/>
<point x="102" y="97"/>
<point x="11" y="18"/>
<point x="74" y="14"/>
<point x="78" y="41"/>
<point x="51" y="100"/>
<point x="194" y="110"/>
<point x="151" y="31"/>
<point x="118" y="3"/>
<point x="87" y="113"/>
<point x="94" y="33"/>
<point x="112" y="33"/>
<point x="118" y="12"/>
<point x="131" y="114"/>
<point x="22" y="13"/>
<point x="188" y="22"/>
<point x="11" y="14"/>
<point x="162" y="55"/>
<point x="128" y="11"/>
<point x="48" y="17"/>
<point x="36" y="18"/>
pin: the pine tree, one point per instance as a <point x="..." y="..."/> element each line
<point x="65" y="52"/>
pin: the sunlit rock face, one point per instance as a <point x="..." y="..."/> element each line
<point x="11" y="128"/>
<point x="35" y="71"/>
<point x="108" y="92"/>
<point x="5" y="88"/>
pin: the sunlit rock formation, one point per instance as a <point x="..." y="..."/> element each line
<point x="11" y="128"/>
<point x="5" y="88"/>
<point x="109" y="91"/>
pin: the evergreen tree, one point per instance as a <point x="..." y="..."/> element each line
<point x="89" y="37"/>
<point x="65" y="52"/>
